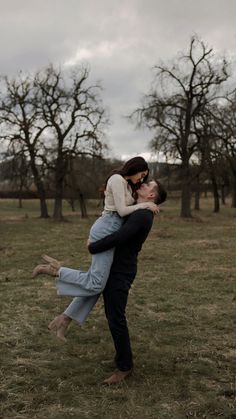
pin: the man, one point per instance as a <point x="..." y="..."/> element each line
<point x="128" y="241"/>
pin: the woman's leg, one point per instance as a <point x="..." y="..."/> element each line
<point x="73" y="282"/>
<point x="80" y="308"/>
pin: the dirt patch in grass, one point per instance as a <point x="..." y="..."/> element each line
<point x="206" y="244"/>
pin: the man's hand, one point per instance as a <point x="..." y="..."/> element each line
<point x="88" y="243"/>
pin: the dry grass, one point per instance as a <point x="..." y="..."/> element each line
<point x="181" y="317"/>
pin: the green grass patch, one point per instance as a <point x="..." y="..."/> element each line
<point x="181" y="316"/>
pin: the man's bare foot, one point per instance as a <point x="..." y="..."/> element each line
<point x="59" y="326"/>
<point x="117" y="377"/>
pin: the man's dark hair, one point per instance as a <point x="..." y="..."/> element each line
<point x="161" y="193"/>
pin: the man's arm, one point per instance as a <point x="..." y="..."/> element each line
<point x="137" y="220"/>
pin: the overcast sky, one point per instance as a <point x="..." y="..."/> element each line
<point x="120" y="40"/>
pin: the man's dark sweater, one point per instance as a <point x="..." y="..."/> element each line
<point x="128" y="241"/>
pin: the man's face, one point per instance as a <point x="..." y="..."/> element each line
<point x="147" y="190"/>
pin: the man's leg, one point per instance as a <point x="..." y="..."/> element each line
<point x="115" y="300"/>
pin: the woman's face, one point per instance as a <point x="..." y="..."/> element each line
<point x="138" y="177"/>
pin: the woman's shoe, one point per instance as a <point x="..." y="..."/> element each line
<point x="53" y="262"/>
<point x="45" y="270"/>
<point x="59" y="326"/>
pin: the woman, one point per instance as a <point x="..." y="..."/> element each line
<point x="118" y="203"/>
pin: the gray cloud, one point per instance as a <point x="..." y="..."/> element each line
<point x="121" y="40"/>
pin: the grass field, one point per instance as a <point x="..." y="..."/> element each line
<point x="181" y="317"/>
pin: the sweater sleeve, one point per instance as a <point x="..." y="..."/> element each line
<point x="118" y="187"/>
<point x="139" y="220"/>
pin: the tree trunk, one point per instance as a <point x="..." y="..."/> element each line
<point x="223" y="194"/>
<point x="43" y="207"/>
<point x="20" y="199"/>
<point x="42" y="198"/>
<point x="83" y="208"/>
<point x="186" y="201"/>
<point x="215" y="194"/>
<point x="41" y="190"/>
<point x="57" y="213"/>
<point x="233" y="185"/>
<point x="233" y="181"/>
<point x="59" y="182"/>
<point x="234" y="193"/>
<point x="186" y="191"/>
<point x="197" y="195"/>
<point x="71" y="202"/>
<point x="20" y="196"/>
<point x="197" y="200"/>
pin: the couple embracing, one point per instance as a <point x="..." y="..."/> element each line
<point x="115" y="239"/>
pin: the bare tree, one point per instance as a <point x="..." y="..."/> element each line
<point x="180" y="92"/>
<point x="21" y="127"/>
<point x="225" y="129"/>
<point x="74" y="115"/>
<point x="209" y="150"/>
<point x="19" y="173"/>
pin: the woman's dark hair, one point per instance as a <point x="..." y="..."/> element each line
<point x="133" y="166"/>
<point x="130" y="168"/>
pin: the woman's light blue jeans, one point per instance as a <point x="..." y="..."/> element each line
<point x="87" y="286"/>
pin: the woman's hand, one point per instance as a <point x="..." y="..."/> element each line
<point x="153" y="207"/>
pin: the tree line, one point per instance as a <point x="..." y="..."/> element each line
<point x="84" y="180"/>
<point x="52" y="126"/>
